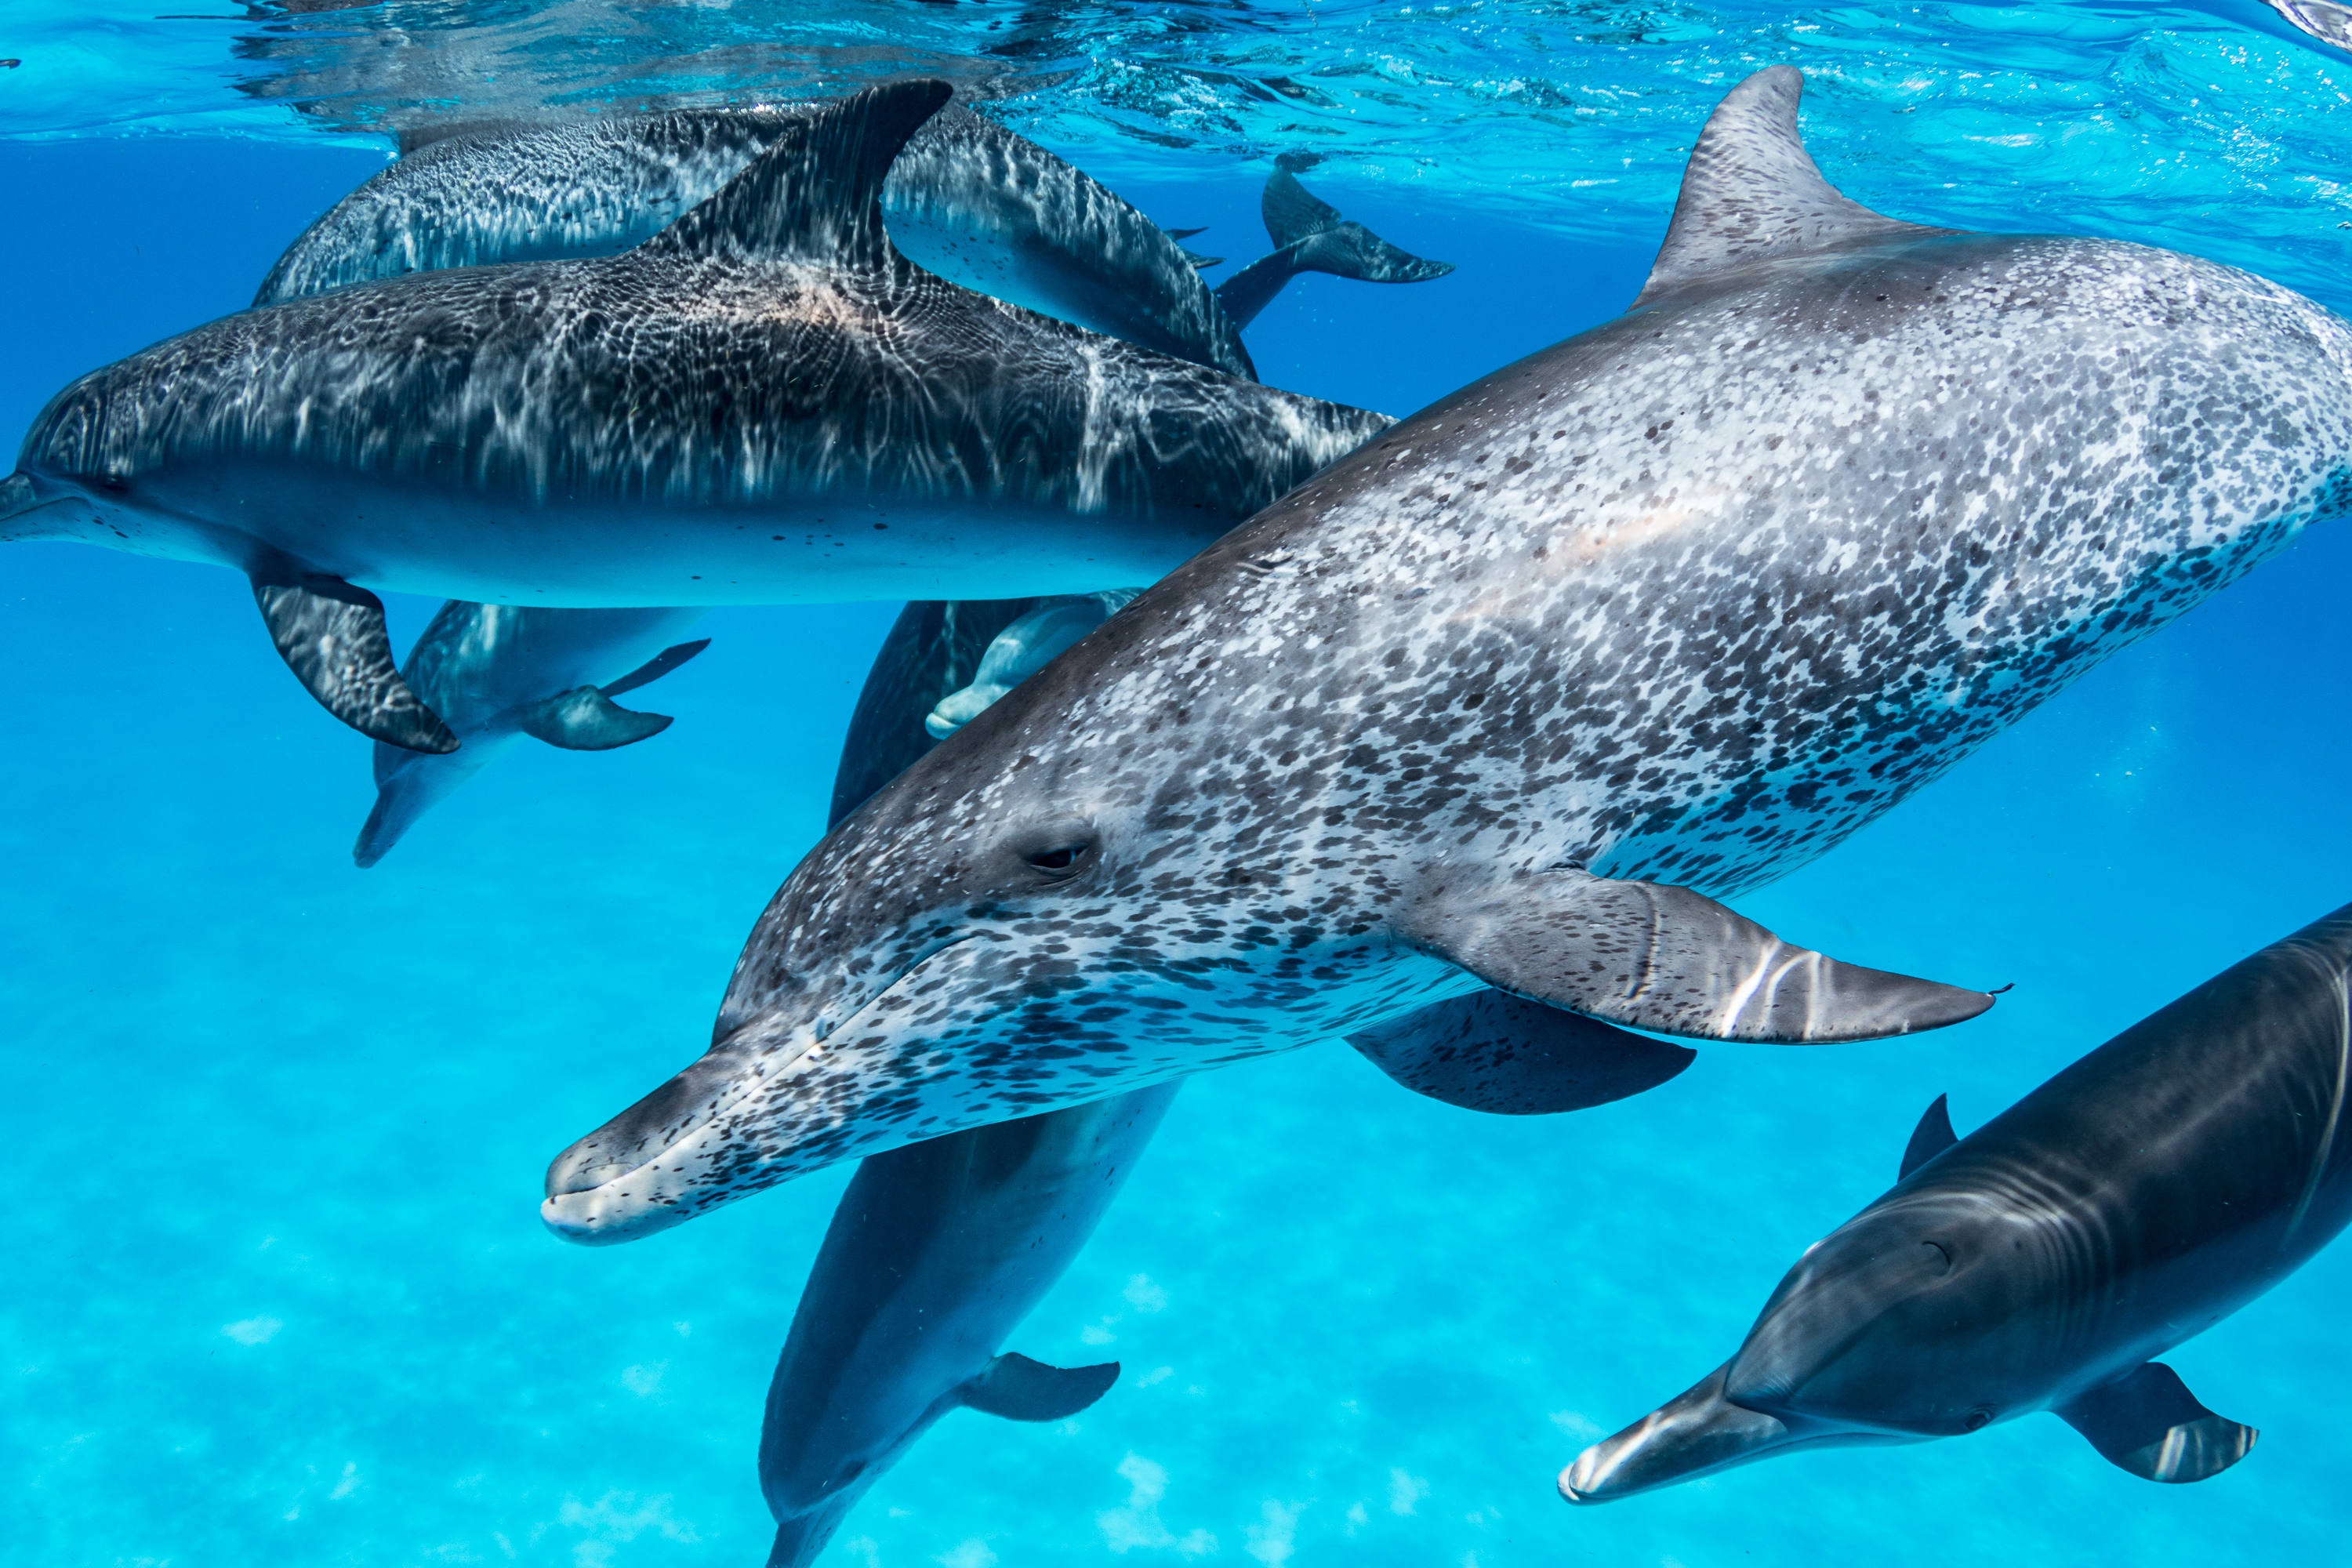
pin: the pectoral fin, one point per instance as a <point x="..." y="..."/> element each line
<point x="1508" y="1056"/>
<point x="1020" y="1389"/>
<point x="654" y="668"/>
<point x="2149" y="1423"/>
<point x="1666" y="959"/>
<point x="585" y="720"/>
<point x="333" y="636"/>
<point x="1930" y="1138"/>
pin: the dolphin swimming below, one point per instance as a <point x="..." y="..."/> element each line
<point x="936" y="1253"/>
<point x="1510" y="697"/>
<point x="939" y="1250"/>
<point x="2042" y="1262"/>
<point x="494" y="672"/>
<point x="763" y="402"/>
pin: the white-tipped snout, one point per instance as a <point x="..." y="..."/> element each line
<point x="658" y="1163"/>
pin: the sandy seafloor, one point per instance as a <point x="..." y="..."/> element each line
<point x="276" y="1289"/>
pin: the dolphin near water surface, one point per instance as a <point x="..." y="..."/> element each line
<point x="966" y="199"/>
<point x="1509" y="698"/>
<point x="763" y="402"/>
<point x="2046" y="1260"/>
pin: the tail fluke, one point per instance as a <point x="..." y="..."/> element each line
<point x="1311" y="236"/>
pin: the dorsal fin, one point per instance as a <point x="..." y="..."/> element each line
<point x="816" y="194"/>
<point x="1751" y="191"/>
<point x="1930" y="1138"/>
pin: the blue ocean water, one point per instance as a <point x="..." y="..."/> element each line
<point x="278" y="1290"/>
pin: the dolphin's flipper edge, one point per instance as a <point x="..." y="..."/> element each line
<point x="585" y="720"/>
<point x="333" y="636"/>
<point x="1666" y="959"/>
<point x="1751" y="192"/>
<point x="654" y="668"/>
<point x="1310" y="236"/>
<point x="1020" y="1389"/>
<point x="816" y="194"/>
<point x="2149" y="1423"/>
<point x="1930" y="1138"/>
<point x="1502" y="1054"/>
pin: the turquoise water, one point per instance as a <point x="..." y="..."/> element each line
<point x="279" y="1292"/>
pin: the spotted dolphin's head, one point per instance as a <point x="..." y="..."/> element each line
<point x="1024" y="918"/>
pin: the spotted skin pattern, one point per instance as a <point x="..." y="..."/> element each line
<point x="1689" y="599"/>
<point x="766" y="404"/>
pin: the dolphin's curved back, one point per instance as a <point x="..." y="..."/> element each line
<point x="967" y="200"/>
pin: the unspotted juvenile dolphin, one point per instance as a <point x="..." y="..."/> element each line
<point x="494" y="672"/>
<point x="763" y="402"/>
<point x="2042" y="1262"/>
<point x="1507" y="697"/>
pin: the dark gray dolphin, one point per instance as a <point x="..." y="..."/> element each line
<point x="763" y="402"/>
<point x="2044" y="1261"/>
<point x="939" y="1250"/>
<point x="494" y="672"/>
<point x="935" y="1255"/>
<point x="1507" y="697"/>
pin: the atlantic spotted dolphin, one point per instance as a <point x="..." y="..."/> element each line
<point x="2046" y="1260"/>
<point x="1510" y="696"/>
<point x="939" y="1250"/>
<point x="496" y="672"/>
<point x="763" y="402"/>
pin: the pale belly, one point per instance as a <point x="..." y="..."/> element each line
<point x="415" y="539"/>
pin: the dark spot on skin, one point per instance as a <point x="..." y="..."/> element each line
<point x="881" y="527"/>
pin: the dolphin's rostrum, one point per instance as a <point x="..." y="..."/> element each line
<point x="2040" y="1263"/>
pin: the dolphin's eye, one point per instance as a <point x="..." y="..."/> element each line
<point x="1976" y="1420"/>
<point x="1057" y="850"/>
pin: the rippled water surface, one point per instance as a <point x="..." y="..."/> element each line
<point x="276" y="1288"/>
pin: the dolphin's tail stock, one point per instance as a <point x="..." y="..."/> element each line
<point x="1310" y="236"/>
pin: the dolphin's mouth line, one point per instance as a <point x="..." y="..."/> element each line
<point x="754" y="1080"/>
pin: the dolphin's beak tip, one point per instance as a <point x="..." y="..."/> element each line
<point x="580" y="1225"/>
<point x="1580" y="1483"/>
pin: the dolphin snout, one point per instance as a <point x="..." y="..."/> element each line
<point x="612" y="1185"/>
<point x="1696" y="1435"/>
